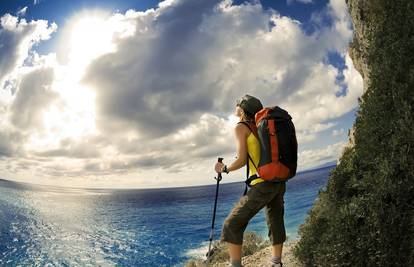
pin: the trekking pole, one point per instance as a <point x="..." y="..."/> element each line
<point x="218" y="178"/>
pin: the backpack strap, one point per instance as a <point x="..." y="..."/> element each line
<point x="245" y="123"/>
<point x="248" y="155"/>
<point x="257" y="170"/>
<point x="248" y="178"/>
<point x="254" y="131"/>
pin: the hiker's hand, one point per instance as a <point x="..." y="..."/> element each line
<point x="219" y="167"/>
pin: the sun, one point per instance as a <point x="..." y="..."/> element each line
<point x="86" y="36"/>
<point x="93" y="33"/>
<point x="72" y="116"/>
<point x="91" y="36"/>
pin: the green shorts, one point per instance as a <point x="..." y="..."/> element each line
<point x="264" y="194"/>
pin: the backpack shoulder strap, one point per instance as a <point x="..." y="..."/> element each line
<point x="248" y="126"/>
<point x="248" y="158"/>
<point x="245" y="123"/>
<point x="252" y="129"/>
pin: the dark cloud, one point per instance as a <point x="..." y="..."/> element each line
<point x="33" y="96"/>
<point x="80" y="153"/>
<point x="77" y="149"/>
<point x="10" y="143"/>
<point x="155" y="82"/>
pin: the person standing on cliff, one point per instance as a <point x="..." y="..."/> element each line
<point x="261" y="193"/>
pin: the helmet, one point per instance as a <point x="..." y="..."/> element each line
<point x="249" y="104"/>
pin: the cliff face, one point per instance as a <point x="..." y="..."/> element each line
<point x="359" y="47"/>
<point x="365" y="217"/>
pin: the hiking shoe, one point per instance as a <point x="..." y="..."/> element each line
<point x="280" y="264"/>
<point x="230" y="265"/>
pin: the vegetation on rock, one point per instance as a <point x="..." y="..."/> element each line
<point x="251" y="244"/>
<point x="365" y="217"/>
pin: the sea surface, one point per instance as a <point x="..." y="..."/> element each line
<point x="53" y="226"/>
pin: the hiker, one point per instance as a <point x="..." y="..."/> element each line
<point x="261" y="194"/>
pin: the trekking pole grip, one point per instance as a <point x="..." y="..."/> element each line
<point x="219" y="175"/>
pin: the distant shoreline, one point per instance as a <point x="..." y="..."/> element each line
<point x="157" y="188"/>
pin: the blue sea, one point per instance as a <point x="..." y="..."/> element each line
<point x="53" y="226"/>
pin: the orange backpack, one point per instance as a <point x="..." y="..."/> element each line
<point x="278" y="144"/>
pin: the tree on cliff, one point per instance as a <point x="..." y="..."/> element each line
<point x="365" y="217"/>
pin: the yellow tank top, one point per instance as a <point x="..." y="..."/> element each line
<point x="253" y="147"/>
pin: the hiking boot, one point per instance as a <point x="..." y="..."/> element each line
<point x="280" y="264"/>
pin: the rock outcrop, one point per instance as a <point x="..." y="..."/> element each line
<point x="359" y="47"/>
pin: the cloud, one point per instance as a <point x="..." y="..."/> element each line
<point x="10" y="143"/>
<point x="338" y="132"/>
<point x="314" y="157"/>
<point x="33" y="95"/>
<point x="162" y="90"/>
<point x="209" y="137"/>
<point x="156" y="73"/>
<point x="22" y="12"/>
<point x="309" y="134"/>
<point x="17" y="37"/>
<point x="71" y="149"/>
<point x="172" y="71"/>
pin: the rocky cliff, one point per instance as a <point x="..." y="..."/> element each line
<point x="360" y="45"/>
<point x="365" y="217"/>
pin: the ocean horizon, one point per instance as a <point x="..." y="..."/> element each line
<point x="57" y="226"/>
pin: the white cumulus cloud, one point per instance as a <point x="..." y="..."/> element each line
<point x="155" y="98"/>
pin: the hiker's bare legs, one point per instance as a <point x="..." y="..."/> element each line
<point x="277" y="250"/>
<point x="234" y="251"/>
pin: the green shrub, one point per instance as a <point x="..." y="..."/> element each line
<point x="365" y="217"/>
<point x="251" y="244"/>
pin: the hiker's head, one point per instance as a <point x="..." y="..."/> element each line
<point x="247" y="107"/>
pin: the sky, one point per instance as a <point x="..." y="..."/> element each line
<point x="141" y="94"/>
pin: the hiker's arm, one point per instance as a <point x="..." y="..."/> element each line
<point x="241" y="136"/>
